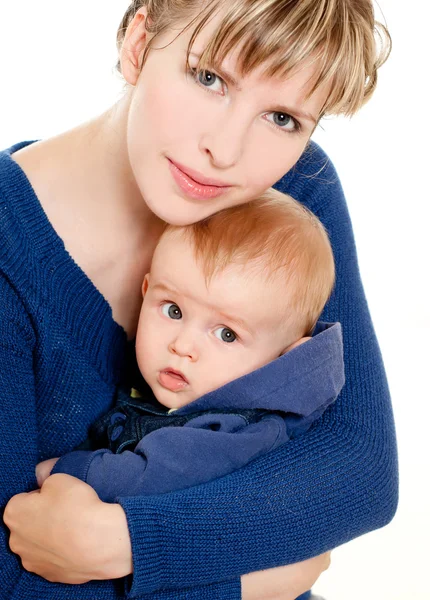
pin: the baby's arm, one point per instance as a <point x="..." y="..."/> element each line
<point x="172" y="458"/>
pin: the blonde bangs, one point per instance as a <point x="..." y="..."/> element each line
<point x="339" y="37"/>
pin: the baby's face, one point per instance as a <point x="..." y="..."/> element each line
<point x="193" y="338"/>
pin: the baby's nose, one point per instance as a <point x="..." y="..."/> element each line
<point x="184" y="347"/>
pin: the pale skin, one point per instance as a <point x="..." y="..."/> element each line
<point x="113" y="174"/>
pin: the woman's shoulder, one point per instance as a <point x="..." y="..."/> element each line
<point x="17" y="197"/>
<point x="25" y="231"/>
<point x="27" y="240"/>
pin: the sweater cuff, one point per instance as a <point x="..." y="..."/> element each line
<point x="149" y="568"/>
<point x="75" y="463"/>
<point x="150" y="578"/>
<point x="226" y="590"/>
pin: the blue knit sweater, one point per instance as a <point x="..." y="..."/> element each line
<point x="59" y="346"/>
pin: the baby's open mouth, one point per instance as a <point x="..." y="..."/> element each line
<point x="172" y="380"/>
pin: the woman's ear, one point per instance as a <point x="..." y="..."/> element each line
<point x="133" y="46"/>
<point x="295" y="344"/>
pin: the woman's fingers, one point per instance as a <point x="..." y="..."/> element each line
<point x="43" y="470"/>
<point x="284" y="583"/>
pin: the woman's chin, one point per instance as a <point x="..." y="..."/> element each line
<point x="178" y="212"/>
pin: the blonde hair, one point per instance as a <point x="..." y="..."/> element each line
<point x="340" y="37"/>
<point x="278" y="238"/>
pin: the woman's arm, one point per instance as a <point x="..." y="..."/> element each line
<point x="19" y="454"/>
<point x="70" y="561"/>
<point x="17" y="417"/>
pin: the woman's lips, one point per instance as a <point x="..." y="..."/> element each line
<point x="172" y="380"/>
<point x="194" y="185"/>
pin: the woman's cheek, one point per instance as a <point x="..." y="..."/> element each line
<point x="174" y="115"/>
<point x="274" y="156"/>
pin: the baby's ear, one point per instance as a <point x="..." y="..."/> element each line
<point x="145" y="285"/>
<point x="295" y="344"/>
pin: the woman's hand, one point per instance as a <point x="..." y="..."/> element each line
<point x="66" y="534"/>
<point x="43" y="470"/>
<point x="284" y="583"/>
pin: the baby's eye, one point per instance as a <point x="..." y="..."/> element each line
<point x="171" y="310"/>
<point x="283" y="121"/>
<point x="225" y="334"/>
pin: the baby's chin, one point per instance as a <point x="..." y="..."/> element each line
<point x="173" y="400"/>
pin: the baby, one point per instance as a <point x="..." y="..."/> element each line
<point x="225" y="303"/>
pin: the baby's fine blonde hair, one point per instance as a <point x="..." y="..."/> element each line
<point x="281" y="241"/>
<point x="341" y="37"/>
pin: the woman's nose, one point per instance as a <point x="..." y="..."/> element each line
<point x="184" y="346"/>
<point x="224" y="142"/>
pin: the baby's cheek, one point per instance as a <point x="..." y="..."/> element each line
<point x="215" y="375"/>
<point x="144" y="357"/>
<point x="144" y="362"/>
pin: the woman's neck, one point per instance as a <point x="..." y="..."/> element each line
<point x="85" y="184"/>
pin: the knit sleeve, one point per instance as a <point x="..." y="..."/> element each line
<point x="17" y="418"/>
<point x="19" y="450"/>
<point x="320" y="490"/>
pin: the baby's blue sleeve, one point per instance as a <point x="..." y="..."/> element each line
<point x="173" y="458"/>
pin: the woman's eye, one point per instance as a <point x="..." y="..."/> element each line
<point x="225" y="334"/>
<point x="209" y="80"/>
<point x="171" y="310"/>
<point x="284" y="121"/>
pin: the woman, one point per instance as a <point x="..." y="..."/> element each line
<point x="214" y="113"/>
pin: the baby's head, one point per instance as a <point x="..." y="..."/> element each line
<point x="229" y="294"/>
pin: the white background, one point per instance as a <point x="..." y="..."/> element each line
<point x="56" y="70"/>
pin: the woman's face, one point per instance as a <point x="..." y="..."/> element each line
<point x="201" y="142"/>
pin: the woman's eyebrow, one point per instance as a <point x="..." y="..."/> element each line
<point x="229" y="78"/>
